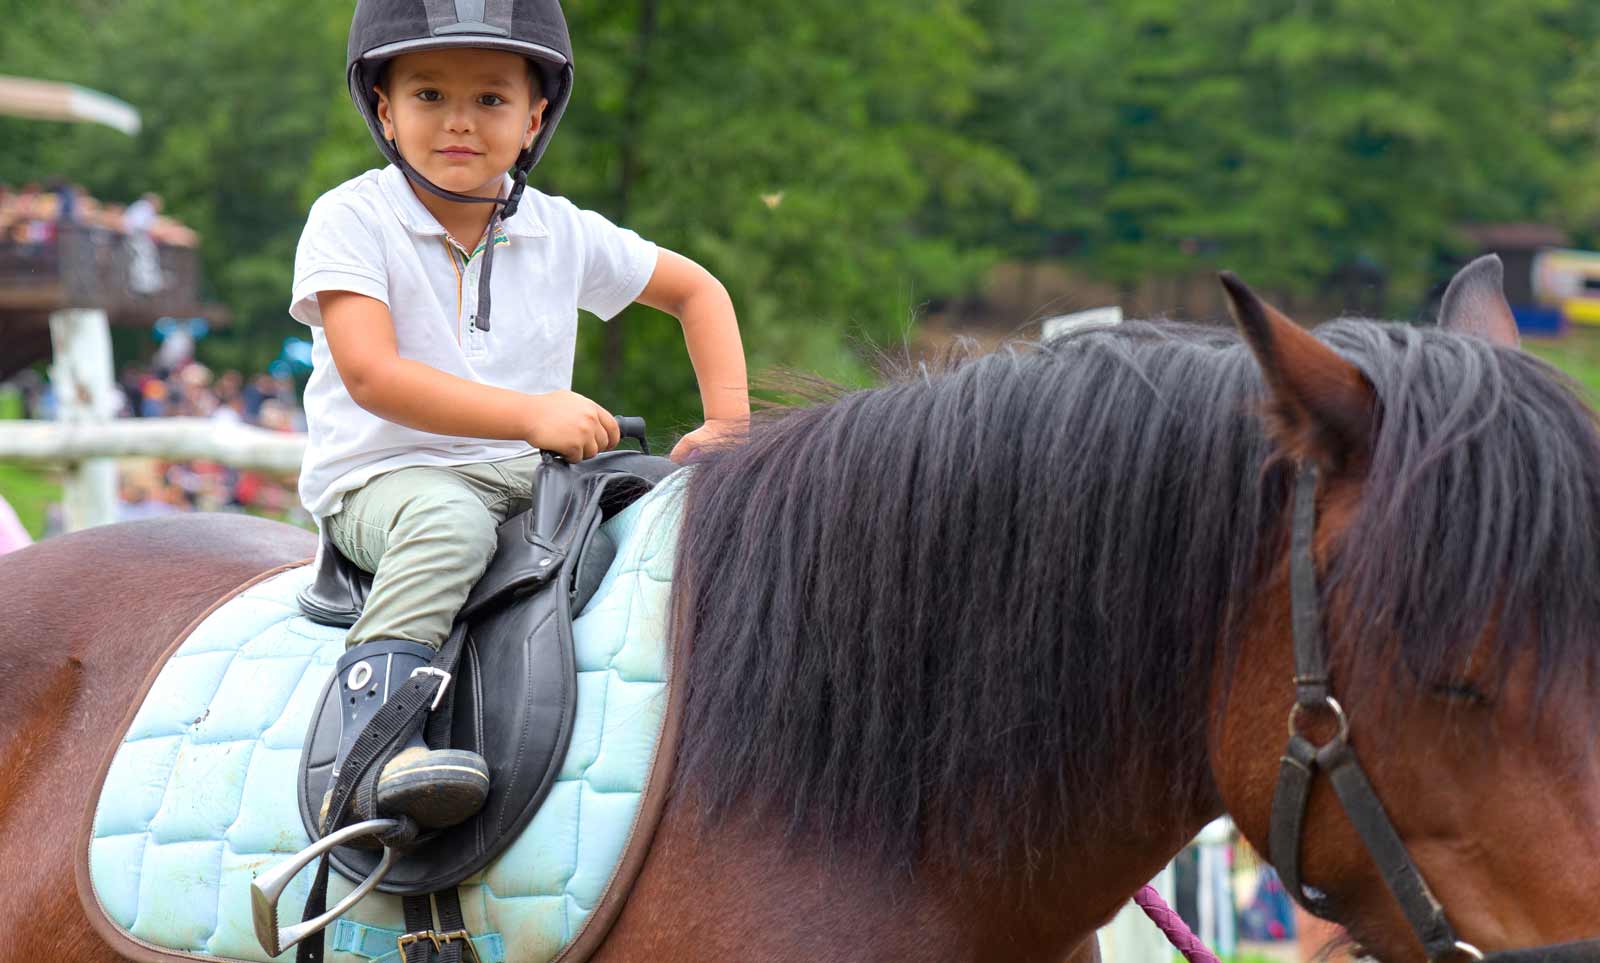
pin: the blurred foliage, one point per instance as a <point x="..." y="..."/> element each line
<point x="30" y="490"/>
<point x="1285" y="137"/>
<point x="841" y="164"/>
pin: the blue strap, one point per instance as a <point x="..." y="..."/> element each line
<point x="378" y="944"/>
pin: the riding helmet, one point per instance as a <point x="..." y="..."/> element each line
<point x="384" y="29"/>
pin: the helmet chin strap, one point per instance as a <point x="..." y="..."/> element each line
<point x="507" y="207"/>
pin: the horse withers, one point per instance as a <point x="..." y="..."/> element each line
<point x="974" y="654"/>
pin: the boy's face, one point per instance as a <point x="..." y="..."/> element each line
<point x="460" y="116"/>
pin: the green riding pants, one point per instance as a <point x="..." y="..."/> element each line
<point x="426" y="534"/>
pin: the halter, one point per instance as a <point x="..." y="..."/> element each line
<point x="1304" y="758"/>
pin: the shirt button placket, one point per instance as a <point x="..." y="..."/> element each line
<point x="469" y="308"/>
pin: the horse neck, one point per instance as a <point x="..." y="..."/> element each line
<point x="736" y="889"/>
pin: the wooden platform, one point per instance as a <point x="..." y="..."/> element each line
<point x="87" y="268"/>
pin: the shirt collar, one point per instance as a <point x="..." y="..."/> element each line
<point x="419" y="220"/>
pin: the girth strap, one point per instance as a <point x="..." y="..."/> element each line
<point x="422" y="943"/>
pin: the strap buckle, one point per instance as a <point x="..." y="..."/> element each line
<point x="469" y="950"/>
<point x="444" y="683"/>
<point x="1328" y="705"/>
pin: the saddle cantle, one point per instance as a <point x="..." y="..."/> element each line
<point x="515" y="686"/>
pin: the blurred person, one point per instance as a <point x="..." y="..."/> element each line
<point x="32" y="228"/>
<point x="108" y="217"/>
<point x="12" y="533"/>
<point x="274" y="415"/>
<point x="132" y="381"/>
<point x="8" y="209"/>
<point x="137" y="500"/>
<point x="144" y="258"/>
<point x="256" y="392"/>
<point x="174" y="233"/>
<point x="66" y="195"/>
<point x="427" y="421"/>
<point x="175" y="346"/>
<point x="229" y="412"/>
<point x="153" y="399"/>
<point x="30" y="385"/>
<point x="230" y="386"/>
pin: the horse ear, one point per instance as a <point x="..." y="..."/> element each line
<point x="1320" y="406"/>
<point x="1475" y="303"/>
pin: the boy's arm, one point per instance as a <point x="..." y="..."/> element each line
<point x="689" y="292"/>
<point x="361" y="339"/>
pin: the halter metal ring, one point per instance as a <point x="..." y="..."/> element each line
<point x="1468" y="950"/>
<point x="1332" y="705"/>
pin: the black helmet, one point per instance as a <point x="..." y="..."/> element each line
<point x="384" y="29"/>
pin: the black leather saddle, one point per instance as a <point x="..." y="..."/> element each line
<point x="515" y="686"/>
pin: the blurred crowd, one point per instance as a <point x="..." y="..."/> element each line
<point x="32" y="215"/>
<point x="150" y="487"/>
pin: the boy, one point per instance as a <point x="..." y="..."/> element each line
<point x="425" y="414"/>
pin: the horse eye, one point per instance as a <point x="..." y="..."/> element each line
<point x="1462" y="691"/>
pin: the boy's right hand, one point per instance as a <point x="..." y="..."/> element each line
<point x="568" y="424"/>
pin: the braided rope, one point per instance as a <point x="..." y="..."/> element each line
<point x="1173" y="927"/>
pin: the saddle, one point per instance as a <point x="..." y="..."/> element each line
<point x="514" y="688"/>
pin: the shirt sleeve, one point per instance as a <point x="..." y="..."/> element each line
<point x="338" y="251"/>
<point x="617" y="264"/>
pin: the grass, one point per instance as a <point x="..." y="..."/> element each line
<point x="30" y="491"/>
<point x="1577" y="354"/>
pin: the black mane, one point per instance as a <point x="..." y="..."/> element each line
<point x="942" y="612"/>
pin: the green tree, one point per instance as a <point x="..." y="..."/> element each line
<point x="806" y="154"/>
<point x="1279" y="137"/>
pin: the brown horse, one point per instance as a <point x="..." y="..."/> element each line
<point x="975" y="654"/>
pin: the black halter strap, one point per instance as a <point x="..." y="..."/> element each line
<point x="1303" y="759"/>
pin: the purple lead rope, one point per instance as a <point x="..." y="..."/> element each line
<point x="1173" y="927"/>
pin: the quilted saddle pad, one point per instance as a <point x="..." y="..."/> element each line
<point x="200" y="795"/>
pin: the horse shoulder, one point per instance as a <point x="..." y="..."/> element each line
<point x="89" y="613"/>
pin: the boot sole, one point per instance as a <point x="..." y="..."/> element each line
<point x="436" y="787"/>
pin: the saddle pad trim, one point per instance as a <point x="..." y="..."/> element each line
<point x="641" y="838"/>
<point x="121" y="942"/>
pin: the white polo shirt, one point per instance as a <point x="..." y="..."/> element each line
<point x="371" y="235"/>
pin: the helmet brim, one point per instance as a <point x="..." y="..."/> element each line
<point x="534" y="51"/>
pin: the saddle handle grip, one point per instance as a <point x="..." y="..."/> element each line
<point x="632" y="426"/>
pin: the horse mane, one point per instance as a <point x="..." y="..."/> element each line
<point x="1480" y="518"/>
<point x="952" y="614"/>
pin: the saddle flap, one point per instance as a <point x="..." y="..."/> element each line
<point x="515" y="698"/>
<point x="338" y="591"/>
<point x="569" y="504"/>
<point x="515" y="687"/>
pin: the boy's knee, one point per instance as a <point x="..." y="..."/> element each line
<point x="459" y="522"/>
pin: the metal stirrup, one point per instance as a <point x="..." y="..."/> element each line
<point x="268" y="886"/>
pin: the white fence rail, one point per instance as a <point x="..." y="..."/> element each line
<point x="88" y="449"/>
<point x="173" y="439"/>
<point x="86" y="439"/>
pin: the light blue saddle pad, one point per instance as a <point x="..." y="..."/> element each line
<point x="201" y="793"/>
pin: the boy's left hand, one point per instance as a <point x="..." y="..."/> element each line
<point x="715" y="433"/>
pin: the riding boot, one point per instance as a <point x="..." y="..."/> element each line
<point x="435" y="787"/>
